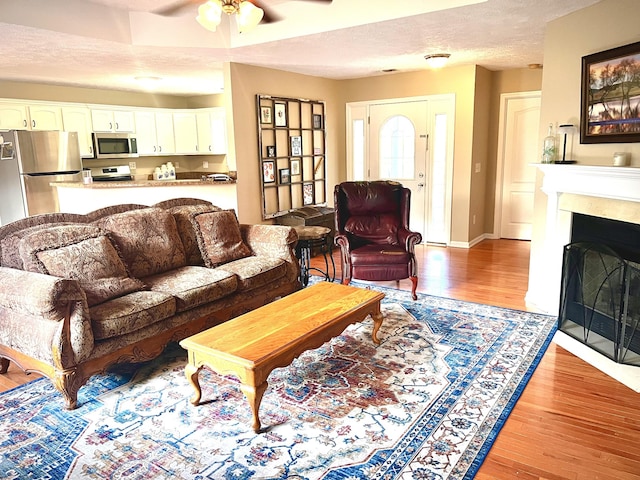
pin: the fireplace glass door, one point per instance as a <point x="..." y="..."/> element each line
<point x="600" y="300"/>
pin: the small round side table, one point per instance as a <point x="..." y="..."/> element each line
<point x="310" y="237"/>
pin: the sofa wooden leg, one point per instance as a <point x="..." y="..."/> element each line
<point x="414" y="283"/>
<point x="68" y="383"/>
<point x="4" y="365"/>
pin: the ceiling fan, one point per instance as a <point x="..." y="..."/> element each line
<point x="249" y="13"/>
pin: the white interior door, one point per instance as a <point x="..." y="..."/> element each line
<point x="519" y="123"/>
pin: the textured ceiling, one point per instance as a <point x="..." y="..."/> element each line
<point x="107" y="43"/>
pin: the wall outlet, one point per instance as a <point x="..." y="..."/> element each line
<point x="473" y="219"/>
<point x="478" y="167"/>
<point x="132" y="166"/>
<point x="205" y="164"/>
<point x="177" y="165"/>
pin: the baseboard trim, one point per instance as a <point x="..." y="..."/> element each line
<point x="470" y="244"/>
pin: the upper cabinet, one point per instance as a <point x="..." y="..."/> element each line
<point x="30" y="117"/>
<point x="45" y="117"/>
<point x="78" y="119"/>
<point x="113" y="121"/>
<point x="186" y="133"/>
<point x="154" y="132"/>
<point x="212" y="131"/>
<point x="13" y="116"/>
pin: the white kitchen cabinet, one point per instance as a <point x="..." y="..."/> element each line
<point x="146" y="135"/>
<point x="154" y="132"/>
<point x="45" y="117"/>
<point x="13" y="116"/>
<point x="186" y="133"/>
<point x="78" y="119"/>
<point x="113" y="121"/>
<point x="164" y="132"/>
<point x="212" y="131"/>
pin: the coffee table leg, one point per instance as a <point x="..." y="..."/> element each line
<point x="192" y="375"/>
<point x="377" y="323"/>
<point x="254" y="396"/>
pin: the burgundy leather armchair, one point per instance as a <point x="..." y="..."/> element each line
<point x="372" y="231"/>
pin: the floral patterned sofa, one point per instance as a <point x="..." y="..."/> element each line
<point x="81" y="293"/>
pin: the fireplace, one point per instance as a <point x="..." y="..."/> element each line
<point x="584" y="205"/>
<point x="600" y="291"/>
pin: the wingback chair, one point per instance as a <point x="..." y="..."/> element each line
<point x="372" y="231"/>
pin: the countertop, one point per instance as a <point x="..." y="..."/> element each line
<point x="142" y="183"/>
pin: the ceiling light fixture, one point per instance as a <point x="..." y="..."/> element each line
<point x="437" y="60"/>
<point x="248" y="16"/>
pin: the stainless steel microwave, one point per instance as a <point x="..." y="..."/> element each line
<point x="114" y="145"/>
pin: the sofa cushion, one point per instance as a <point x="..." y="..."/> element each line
<point x="219" y="238"/>
<point x="80" y="252"/>
<point x="193" y="286"/>
<point x="148" y="239"/>
<point x="9" y="245"/>
<point x="130" y="312"/>
<point x="255" y="271"/>
<point x="183" y="214"/>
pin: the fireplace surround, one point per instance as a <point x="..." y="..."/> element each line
<point x="597" y="191"/>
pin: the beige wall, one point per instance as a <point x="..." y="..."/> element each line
<point x="457" y="80"/>
<point x="505" y="81"/>
<point x="245" y="83"/>
<point x="58" y="93"/>
<point x="607" y="24"/>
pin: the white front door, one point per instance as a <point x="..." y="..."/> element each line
<point x="518" y="151"/>
<point x="412" y="142"/>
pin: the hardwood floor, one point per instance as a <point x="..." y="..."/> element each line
<point x="571" y="422"/>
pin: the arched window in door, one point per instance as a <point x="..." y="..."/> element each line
<point x="397" y="148"/>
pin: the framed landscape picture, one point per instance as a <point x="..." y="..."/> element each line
<point x="285" y="176"/>
<point x="609" y="110"/>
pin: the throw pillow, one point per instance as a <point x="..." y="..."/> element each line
<point x="80" y="252"/>
<point x="219" y="238"/>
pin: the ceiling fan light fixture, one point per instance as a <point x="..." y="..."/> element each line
<point x="248" y="16"/>
<point x="437" y="60"/>
<point x="209" y="15"/>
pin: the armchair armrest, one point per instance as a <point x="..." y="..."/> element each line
<point x="37" y="306"/>
<point x="409" y="239"/>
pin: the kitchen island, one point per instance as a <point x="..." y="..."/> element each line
<point x="77" y="197"/>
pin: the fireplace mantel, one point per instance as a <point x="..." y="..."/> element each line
<point x="603" y="191"/>
<point x="618" y="183"/>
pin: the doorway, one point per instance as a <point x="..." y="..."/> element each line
<point x="409" y="141"/>
<point x="516" y="176"/>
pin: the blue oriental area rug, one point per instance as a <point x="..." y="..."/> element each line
<point x="425" y="404"/>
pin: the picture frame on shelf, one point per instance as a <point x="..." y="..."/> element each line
<point x="285" y="175"/>
<point x="271" y="150"/>
<point x="280" y="114"/>
<point x="296" y="146"/>
<point x="295" y="167"/>
<point x="265" y="115"/>
<point x="268" y="171"/>
<point x="307" y="194"/>
<point x="317" y="121"/>
<point x="605" y="116"/>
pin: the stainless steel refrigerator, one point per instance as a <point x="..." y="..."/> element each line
<point x="29" y="162"/>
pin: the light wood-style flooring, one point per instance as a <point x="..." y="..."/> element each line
<point x="571" y="422"/>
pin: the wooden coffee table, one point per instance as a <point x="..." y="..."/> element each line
<point x="252" y="345"/>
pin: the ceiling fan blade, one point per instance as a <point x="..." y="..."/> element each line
<point x="177" y="8"/>
<point x="269" y="15"/>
